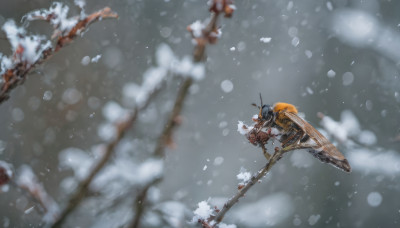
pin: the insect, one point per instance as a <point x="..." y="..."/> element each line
<point x="298" y="132"/>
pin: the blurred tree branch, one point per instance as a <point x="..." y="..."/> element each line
<point x="83" y="187"/>
<point x="207" y="35"/>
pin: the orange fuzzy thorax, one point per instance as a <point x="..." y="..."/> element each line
<point x="285" y="107"/>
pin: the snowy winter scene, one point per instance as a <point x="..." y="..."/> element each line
<point x="208" y="114"/>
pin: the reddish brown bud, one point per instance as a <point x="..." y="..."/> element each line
<point x="252" y="138"/>
<point x="222" y="6"/>
<point x="229" y="9"/>
<point x="5" y="173"/>
<point x="178" y="120"/>
<point x="18" y="53"/>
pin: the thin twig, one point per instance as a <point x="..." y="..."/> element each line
<point x="83" y="187"/>
<point x="172" y="122"/>
<point x="254" y="179"/>
<point x="18" y="73"/>
<point x="199" y="49"/>
<point x="140" y="200"/>
<point x="198" y="56"/>
<point x="160" y="148"/>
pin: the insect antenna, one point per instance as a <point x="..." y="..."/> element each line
<point x="261" y="100"/>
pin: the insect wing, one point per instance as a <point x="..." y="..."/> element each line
<point x="321" y="148"/>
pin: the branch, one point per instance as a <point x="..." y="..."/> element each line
<point x="21" y="65"/>
<point x="254" y="179"/>
<point x="198" y="56"/>
<point x="83" y="24"/>
<point x="207" y="35"/>
<point x="83" y="187"/>
<point x="258" y="137"/>
<point x="27" y="181"/>
<point x="166" y="136"/>
<point x="140" y="200"/>
<point x="172" y="123"/>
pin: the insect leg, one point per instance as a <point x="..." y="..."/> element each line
<point x="266" y="154"/>
<point x="293" y="139"/>
<point x="288" y="139"/>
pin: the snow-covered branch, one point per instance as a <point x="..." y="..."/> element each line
<point x="83" y="187"/>
<point x="27" y="181"/>
<point x="256" y="135"/>
<point x="202" y="35"/>
<point x="32" y="50"/>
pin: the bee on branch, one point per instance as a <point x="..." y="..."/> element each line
<point x="281" y="121"/>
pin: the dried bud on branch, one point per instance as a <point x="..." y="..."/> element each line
<point x="5" y="173"/>
<point x="208" y="33"/>
<point x="222" y="6"/>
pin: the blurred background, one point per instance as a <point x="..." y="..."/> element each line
<point x="338" y="57"/>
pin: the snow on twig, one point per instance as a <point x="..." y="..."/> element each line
<point x="32" y="50"/>
<point x="258" y="135"/>
<point x="121" y="120"/>
<point x="83" y="187"/>
<point x="28" y="181"/>
<point x="241" y="192"/>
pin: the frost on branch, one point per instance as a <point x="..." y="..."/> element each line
<point x="202" y="212"/>
<point x="113" y="114"/>
<point x="257" y="134"/>
<point x="120" y="169"/>
<point x="27" y="49"/>
<point x="31" y="50"/>
<point x="115" y="182"/>
<point x="243" y="176"/>
<point x="56" y="15"/>
<point x="185" y="67"/>
<point x="167" y="64"/>
<point x="244" y="129"/>
<point x="77" y="160"/>
<point x="118" y="174"/>
<point x="28" y="181"/>
<point x="208" y="32"/>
